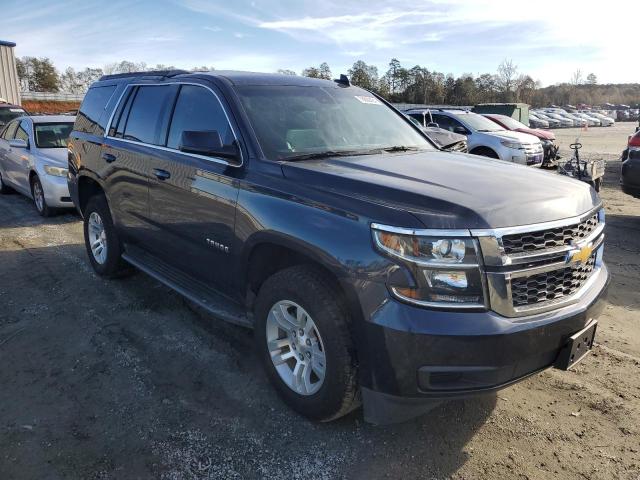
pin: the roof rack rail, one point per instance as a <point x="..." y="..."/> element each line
<point x="151" y="73"/>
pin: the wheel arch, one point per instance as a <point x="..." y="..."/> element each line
<point x="267" y="254"/>
<point x="88" y="186"/>
<point x="479" y="150"/>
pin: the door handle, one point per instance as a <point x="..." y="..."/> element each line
<point x="109" y="158"/>
<point x="161" y="174"/>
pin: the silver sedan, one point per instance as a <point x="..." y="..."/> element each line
<point x="33" y="160"/>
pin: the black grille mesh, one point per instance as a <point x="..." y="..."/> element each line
<point x="543" y="287"/>
<point x="545" y="239"/>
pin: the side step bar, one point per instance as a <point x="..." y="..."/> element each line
<point x="215" y="303"/>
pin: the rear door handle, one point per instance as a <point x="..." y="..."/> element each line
<point x="107" y="157"/>
<point x="161" y="174"/>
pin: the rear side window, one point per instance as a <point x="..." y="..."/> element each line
<point x="10" y="131"/>
<point x="92" y="110"/>
<point x="148" y="115"/>
<point x="197" y="109"/>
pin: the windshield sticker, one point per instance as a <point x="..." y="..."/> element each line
<point x="369" y="100"/>
<point x="16" y="110"/>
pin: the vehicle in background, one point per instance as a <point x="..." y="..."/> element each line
<point x="547" y="139"/>
<point x="486" y="138"/>
<point x="591" y="121"/>
<point x="373" y="267"/>
<point x="577" y="121"/>
<point x="605" y="120"/>
<point x="33" y="160"/>
<point x="588" y="171"/>
<point x="553" y="122"/>
<point x="537" y="122"/>
<point x="9" y="111"/>
<point x="446" y="140"/>
<point x="564" y="121"/>
<point x="630" y="172"/>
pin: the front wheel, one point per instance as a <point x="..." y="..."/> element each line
<point x="302" y="334"/>
<point x="37" y="192"/>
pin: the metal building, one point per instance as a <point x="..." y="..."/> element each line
<point x="9" y="85"/>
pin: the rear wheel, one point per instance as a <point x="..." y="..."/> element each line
<point x="101" y="240"/>
<point x="302" y="334"/>
<point x="37" y="192"/>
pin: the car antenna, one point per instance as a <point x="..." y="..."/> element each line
<point x="343" y="80"/>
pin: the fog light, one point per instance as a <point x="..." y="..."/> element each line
<point x="446" y="280"/>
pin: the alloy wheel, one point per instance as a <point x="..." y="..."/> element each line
<point x="38" y="195"/>
<point x="295" y="347"/>
<point x="97" y="238"/>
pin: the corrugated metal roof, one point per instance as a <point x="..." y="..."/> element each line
<point x="4" y="43"/>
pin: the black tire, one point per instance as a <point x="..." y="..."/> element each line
<point x="311" y="288"/>
<point x="597" y="183"/>
<point x="43" y="209"/>
<point x="113" y="266"/>
<point x="4" y="189"/>
<point x="485" y="152"/>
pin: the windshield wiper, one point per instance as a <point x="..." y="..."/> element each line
<point x="327" y="154"/>
<point x="399" y="148"/>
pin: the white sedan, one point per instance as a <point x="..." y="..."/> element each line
<point x="33" y="160"/>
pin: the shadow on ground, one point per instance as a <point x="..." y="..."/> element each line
<point x="125" y="379"/>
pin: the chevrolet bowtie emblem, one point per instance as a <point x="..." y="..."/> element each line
<point x="581" y="255"/>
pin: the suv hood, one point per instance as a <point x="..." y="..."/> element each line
<point x="449" y="190"/>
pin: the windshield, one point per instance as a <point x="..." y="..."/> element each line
<point x="8" y="114"/>
<point x="52" y="135"/>
<point x="291" y="121"/>
<point x="510" y="123"/>
<point x="479" y="123"/>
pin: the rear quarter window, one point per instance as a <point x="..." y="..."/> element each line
<point x="91" y="117"/>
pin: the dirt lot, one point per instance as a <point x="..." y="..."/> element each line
<point x="125" y="379"/>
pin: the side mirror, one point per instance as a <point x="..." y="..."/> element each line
<point x="460" y="130"/>
<point x="208" y="143"/>
<point x="18" y="143"/>
<point x="433" y="125"/>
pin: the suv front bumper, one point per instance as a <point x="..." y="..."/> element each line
<point x="416" y="358"/>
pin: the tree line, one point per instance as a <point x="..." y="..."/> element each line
<point x="399" y="84"/>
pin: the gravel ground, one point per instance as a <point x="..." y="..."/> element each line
<point x="125" y="379"/>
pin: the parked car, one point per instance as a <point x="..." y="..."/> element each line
<point x="564" y="121"/>
<point x="630" y="172"/>
<point x="577" y="121"/>
<point x="446" y="140"/>
<point x="548" y="139"/>
<point x="605" y="120"/>
<point x="553" y="122"/>
<point x="591" y="121"/>
<point x="537" y="122"/>
<point x="33" y="160"/>
<point x="9" y="111"/>
<point x="485" y="137"/>
<point x="372" y="266"/>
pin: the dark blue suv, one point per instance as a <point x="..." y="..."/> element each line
<point x="374" y="267"/>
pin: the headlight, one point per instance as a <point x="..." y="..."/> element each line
<point x="445" y="269"/>
<point x="510" y="144"/>
<point x="55" y="171"/>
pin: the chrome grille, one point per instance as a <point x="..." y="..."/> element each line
<point x="546" y="286"/>
<point x="551" y="238"/>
